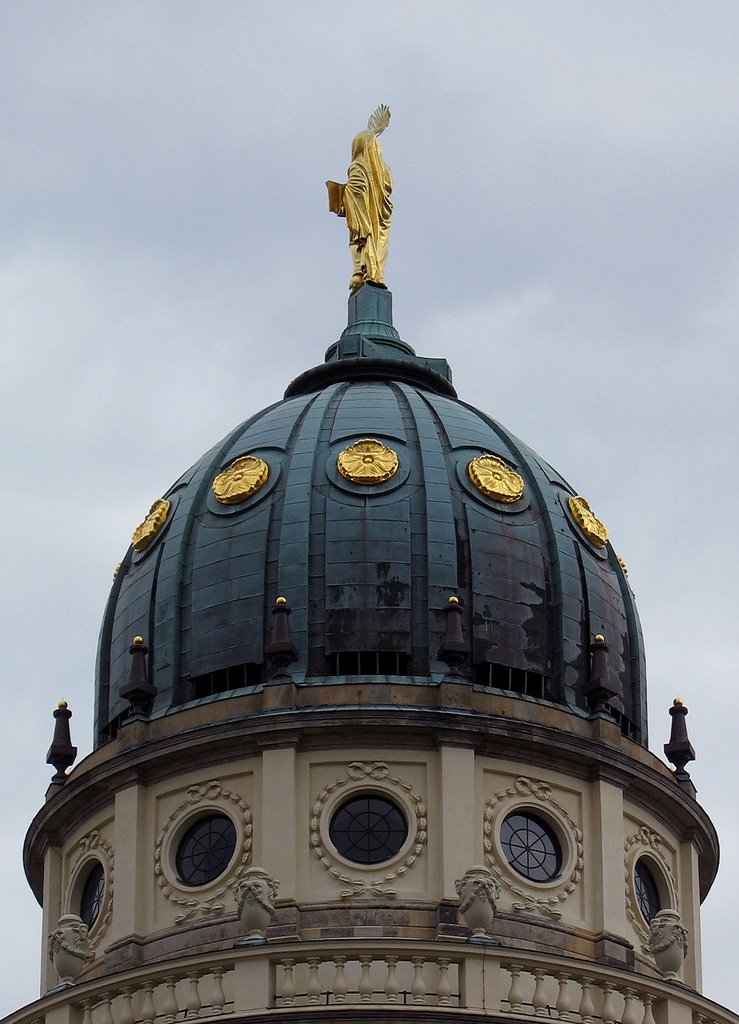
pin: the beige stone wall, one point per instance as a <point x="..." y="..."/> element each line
<point x="281" y="802"/>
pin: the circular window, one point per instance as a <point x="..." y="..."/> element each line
<point x="368" y="829"/>
<point x="205" y="850"/>
<point x="647" y="893"/>
<point x="92" y="895"/>
<point x="531" y="847"/>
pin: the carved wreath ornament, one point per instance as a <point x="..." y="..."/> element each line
<point x="592" y="527"/>
<point x="492" y="477"/>
<point x="645" y="841"/>
<point x="530" y="789"/>
<point x="368" y="462"/>
<point x="145" y="532"/>
<point x="243" y="478"/>
<point x="358" y="771"/>
<point x="93" y="843"/>
<point x="218" y="798"/>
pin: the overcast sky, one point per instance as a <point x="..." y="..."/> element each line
<point x="565" y="233"/>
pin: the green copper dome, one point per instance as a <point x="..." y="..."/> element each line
<point x="367" y="565"/>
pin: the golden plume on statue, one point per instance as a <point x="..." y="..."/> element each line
<point x="365" y="202"/>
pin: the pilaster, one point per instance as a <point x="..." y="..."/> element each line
<point x="459" y="832"/>
<point x="278" y="813"/>
<point x="52" y="911"/>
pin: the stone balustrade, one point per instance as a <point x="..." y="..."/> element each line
<point x="298" y="979"/>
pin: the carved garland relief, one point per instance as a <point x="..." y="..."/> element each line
<point x="358" y="771"/>
<point x="527" y="901"/>
<point x="244" y="477"/>
<point x="93" y="847"/>
<point x="493" y="478"/>
<point x="145" y="532"/>
<point x="368" y="462"/>
<point x="215" y="797"/>
<point x="645" y="841"/>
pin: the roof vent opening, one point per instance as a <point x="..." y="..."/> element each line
<point x="515" y="680"/>
<point x="367" y="663"/>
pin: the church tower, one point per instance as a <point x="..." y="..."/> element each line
<point x="371" y="737"/>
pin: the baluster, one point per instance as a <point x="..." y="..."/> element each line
<point x="106" y="1013"/>
<point x="126" y="1015"/>
<point x="288" y="982"/>
<point x="418" y="985"/>
<point x="587" y="1006"/>
<point x="648" y="1017"/>
<point x="392" y="988"/>
<point x="87" y="1011"/>
<point x="631" y="1007"/>
<point x="148" y="1010"/>
<point x="193" y="1002"/>
<point x="218" y="996"/>
<point x="170" y="1006"/>
<point x="539" y="999"/>
<point x="313" y="990"/>
<point x="444" y="987"/>
<point x="609" y="1014"/>
<point x="339" y="980"/>
<point x="365" y="982"/>
<point x="515" y="995"/>
<point x="564" y="1001"/>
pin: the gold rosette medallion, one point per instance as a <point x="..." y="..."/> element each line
<point x="243" y="478"/>
<point x="593" y="528"/>
<point x="145" y="532"/>
<point x="493" y="478"/>
<point x="368" y="462"/>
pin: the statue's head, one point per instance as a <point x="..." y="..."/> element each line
<point x="365" y="143"/>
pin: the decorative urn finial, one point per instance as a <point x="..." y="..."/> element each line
<point x="255" y="894"/>
<point x="61" y="753"/>
<point x="69" y="948"/>
<point x="668" y="942"/>
<point x="138" y="691"/>
<point x="601" y="687"/>
<point x="478" y="893"/>
<point x="454" y="649"/>
<point x="679" y="750"/>
<point x="280" y="651"/>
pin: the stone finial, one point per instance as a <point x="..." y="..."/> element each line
<point x="138" y="691"/>
<point x="61" y="753"/>
<point x="69" y="948"/>
<point x="679" y="750"/>
<point x="668" y="942"/>
<point x="454" y="649"/>
<point x="601" y="687"/>
<point x="478" y="893"/>
<point x="280" y="650"/>
<point x="255" y="894"/>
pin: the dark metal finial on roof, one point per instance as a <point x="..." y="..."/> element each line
<point x="280" y="651"/>
<point x="454" y="649"/>
<point x="138" y="691"/>
<point x="679" y="750"/>
<point x="61" y="753"/>
<point x="600" y="688"/>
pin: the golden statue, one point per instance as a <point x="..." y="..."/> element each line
<point x="365" y="202"/>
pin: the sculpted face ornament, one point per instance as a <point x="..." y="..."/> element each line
<point x="243" y="478"/>
<point x="145" y="532"/>
<point x="368" y="462"/>
<point x="493" y="478"/>
<point x="593" y="528"/>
